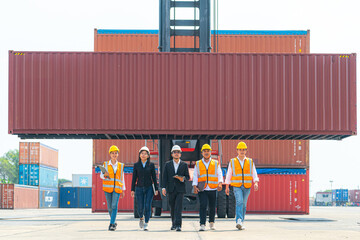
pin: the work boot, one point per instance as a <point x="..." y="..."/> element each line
<point x="112" y="227"/>
<point x="239" y="224"/>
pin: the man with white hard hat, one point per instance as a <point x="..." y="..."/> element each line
<point x="176" y="172"/>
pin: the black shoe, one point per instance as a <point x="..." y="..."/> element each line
<point x="112" y="227"/>
<point x="178" y="229"/>
<point x="115" y="224"/>
<point x="172" y="228"/>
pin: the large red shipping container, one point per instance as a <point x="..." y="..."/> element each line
<point x="13" y="196"/>
<point x="129" y="150"/>
<point x="280" y="194"/>
<point x="354" y="196"/>
<point x="98" y="197"/>
<point x="269" y="154"/>
<point x="284" y="96"/>
<point x="38" y="153"/>
<point x="227" y="41"/>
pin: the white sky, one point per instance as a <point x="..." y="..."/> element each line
<point x="69" y="26"/>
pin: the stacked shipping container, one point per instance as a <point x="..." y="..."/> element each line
<point x="292" y="193"/>
<point x="38" y="166"/>
<point x="13" y="196"/>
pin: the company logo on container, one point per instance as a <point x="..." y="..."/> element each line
<point x="84" y="181"/>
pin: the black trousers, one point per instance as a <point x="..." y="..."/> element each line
<point x="176" y="202"/>
<point x="205" y="197"/>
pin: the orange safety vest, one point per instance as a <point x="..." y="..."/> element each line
<point x="208" y="175"/>
<point x="115" y="180"/>
<point x="241" y="176"/>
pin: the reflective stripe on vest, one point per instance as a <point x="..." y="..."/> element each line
<point x="241" y="175"/>
<point x="209" y="176"/>
<point x="115" y="181"/>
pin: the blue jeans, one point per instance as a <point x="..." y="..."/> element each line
<point x="241" y="196"/>
<point x="112" y="200"/>
<point x="144" y="197"/>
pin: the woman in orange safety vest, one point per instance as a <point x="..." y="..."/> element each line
<point x="113" y="184"/>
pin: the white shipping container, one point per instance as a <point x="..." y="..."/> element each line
<point x="82" y="180"/>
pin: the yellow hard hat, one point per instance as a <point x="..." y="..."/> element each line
<point x="206" y="147"/>
<point x="241" y="145"/>
<point x="113" y="148"/>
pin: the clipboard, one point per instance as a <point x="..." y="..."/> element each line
<point x="103" y="170"/>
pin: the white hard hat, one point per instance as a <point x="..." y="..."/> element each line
<point x="176" y="148"/>
<point x="144" y="148"/>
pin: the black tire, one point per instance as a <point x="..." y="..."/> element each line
<point x="231" y="204"/>
<point x="136" y="214"/>
<point x="157" y="211"/>
<point x="221" y="204"/>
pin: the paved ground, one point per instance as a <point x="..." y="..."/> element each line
<point x="322" y="223"/>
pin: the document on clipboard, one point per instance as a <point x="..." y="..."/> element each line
<point x="103" y="170"/>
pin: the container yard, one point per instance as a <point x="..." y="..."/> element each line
<point x="186" y="83"/>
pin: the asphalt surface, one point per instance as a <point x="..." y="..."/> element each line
<point x="322" y="223"/>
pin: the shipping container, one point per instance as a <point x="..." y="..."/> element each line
<point x="81" y="180"/>
<point x="285" y="96"/>
<point x="236" y="41"/>
<point x="280" y="194"/>
<point x="14" y="196"/>
<point x="35" y="175"/>
<point x="75" y="197"/>
<point x="323" y="199"/>
<point x="270" y="154"/>
<point x="29" y="174"/>
<point x="38" y="153"/>
<point x="129" y="150"/>
<point x="354" y="196"/>
<point x="340" y="195"/>
<point x="98" y="197"/>
<point x="48" y="197"/>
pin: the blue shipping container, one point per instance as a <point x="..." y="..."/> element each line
<point x="75" y="197"/>
<point x="340" y="195"/>
<point x="33" y="175"/>
<point x="29" y="174"/>
<point x="48" y="197"/>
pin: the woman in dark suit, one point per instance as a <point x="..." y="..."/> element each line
<point x="143" y="180"/>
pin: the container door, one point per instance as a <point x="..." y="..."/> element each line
<point x="84" y="198"/>
<point x="68" y="197"/>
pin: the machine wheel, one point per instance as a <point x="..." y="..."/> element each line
<point x="136" y="214"/>
<point x="231" y="204"/>
<point x="221" y="204"/>
<point x="157" y="211"/>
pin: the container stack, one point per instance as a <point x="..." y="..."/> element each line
<point x="38" y="166"/>
<point x="340" y="196"/>
<point x="354" y="197"/>
<point x="79" y="195"/>
<point x="283" y="166"/>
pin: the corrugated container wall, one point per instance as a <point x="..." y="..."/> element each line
<point x="98" y="197"/>
<point x="354" y="196"/>
<point x="35" y="175"/>
<point x="75" y="197"/>
<point x="129" y="150"/>
<point x="81" y="180"/>
<point x="270" y="154"/>
<point x="340" y="195"/>
<point x="228" y="41"/>
<point x="285" y="96"/>
<point x="37" y="153"/>
<point x="13" y="196"/>
<point x="284" y="194"/>
<point x="48" y="197"/>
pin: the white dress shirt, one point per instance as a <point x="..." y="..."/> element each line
<point x="114" y="166"/>
<point x="229" y="172"/>
<point x="196" y="175"/>
<point x="176" y="165"/>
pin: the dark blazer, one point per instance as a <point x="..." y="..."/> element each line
<point x="144" y="177"/>
<point x="172" y="184"/>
